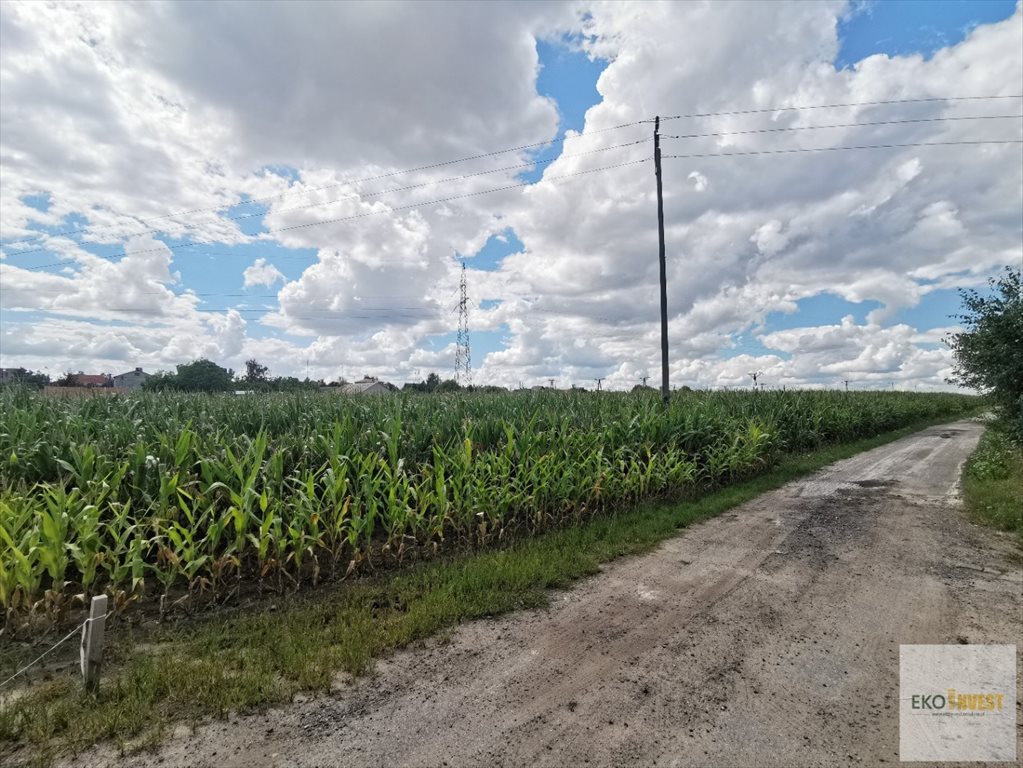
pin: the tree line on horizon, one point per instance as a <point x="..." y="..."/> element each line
<point x="986" y="352"/>
<point x="206" y="376"/>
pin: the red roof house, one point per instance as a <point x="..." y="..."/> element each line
<point x="92" y="380"/>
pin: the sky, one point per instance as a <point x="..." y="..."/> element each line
<point x="301" y="184"/>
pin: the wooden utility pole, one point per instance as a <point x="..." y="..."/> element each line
<point x="665" y="392"/>
<point x="92" y="643"/>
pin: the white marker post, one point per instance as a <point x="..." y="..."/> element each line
<point x="92" y="643"/>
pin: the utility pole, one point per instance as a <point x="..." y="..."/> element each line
<point x="463" y="360"/>
<point x="660" y="258"/>
<point x="598" y="382"/>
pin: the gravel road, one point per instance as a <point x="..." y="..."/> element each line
<point x="768" y="636"/>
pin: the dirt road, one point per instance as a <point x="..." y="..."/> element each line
<point x="766" y="637"/>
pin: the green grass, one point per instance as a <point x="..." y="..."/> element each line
<point x="244" y="661"/>
<point x="993" y="482"/>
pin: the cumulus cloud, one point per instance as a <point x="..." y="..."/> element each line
<point x="873" y="225"/>
<point x="261" y="272"/>
<point x="700" y="181"/>
<point x="117" y="114"/>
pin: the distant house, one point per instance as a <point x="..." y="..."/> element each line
<point x="92" y="380"/>
<point x="131" y="379"/>
<point x="367" y="386"/>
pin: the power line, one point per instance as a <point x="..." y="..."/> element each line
<point x="391" y="174"/>
<point x="519" y="148"/>
<point x="381" y="193"/>
<point x="660" y="205"/>
<point x="839" y="125"/>
<point x="316" y="314"/>
<point x="66" y="262"/>
<point x="415" y="312"/>
<point x="886" y="102"/>
<point x="836" y="149"/>
<point x="693" y="155"/>
<point x="276" y="258"/>
<point x="464" y="196"/>
<point x="168" y="292"/>
<point x="426" y="311"/>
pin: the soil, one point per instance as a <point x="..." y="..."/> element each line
<point x="768" y="636"/>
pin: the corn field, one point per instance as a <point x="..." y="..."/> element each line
<point x="197" y="496"/>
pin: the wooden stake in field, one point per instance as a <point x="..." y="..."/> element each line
<point x="92" y="643"/>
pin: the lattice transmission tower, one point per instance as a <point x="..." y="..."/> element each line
<point x="463" y="357"/>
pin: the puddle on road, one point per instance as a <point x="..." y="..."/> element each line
<point x="874" y="483"/>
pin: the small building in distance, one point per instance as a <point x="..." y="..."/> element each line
<point x="368" y="385"/>
<point x="92" y="380"/>
<point x="131" y="379"/>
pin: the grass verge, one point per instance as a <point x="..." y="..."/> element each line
<point x="246" y="661"/>
<point x="993" y="482"/>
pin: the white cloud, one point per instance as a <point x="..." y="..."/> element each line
<point x="870" y="225"/>
<point x="866" y="354"/>
<point x="700" y="181"/>
<point x="260" y="272"/>
<point x="118" y="113"/>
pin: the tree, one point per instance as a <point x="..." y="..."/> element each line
<point x="161" y="381"/>
<point x="292" y="384"/>
<point x="430" y="385"/>
<point x="989" y="350"/>
<point x="203" y="376"/>
<point x="67" y="380"/>
<point x="448" y="385"/>
<point x="254" y="372"/>
<point x="26" y="378"/>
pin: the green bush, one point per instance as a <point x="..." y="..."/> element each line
<point x="993" y="481"/>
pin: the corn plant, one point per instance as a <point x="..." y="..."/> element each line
<point x="173" y="495"/>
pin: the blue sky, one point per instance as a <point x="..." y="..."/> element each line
<point x="568" y="77"/>
<point x="905" y="27"/>
<point x="891" y="27"/>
